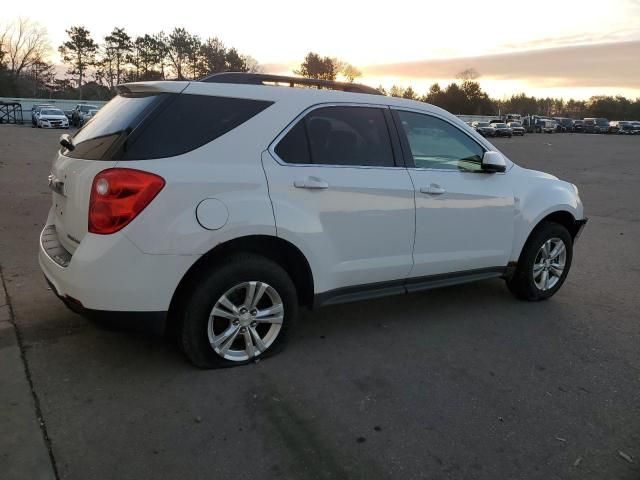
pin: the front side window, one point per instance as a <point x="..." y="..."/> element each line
<point x="437" y="144"/>
<point x="350" y="136"/>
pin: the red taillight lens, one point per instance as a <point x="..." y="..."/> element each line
<point x="118" y="195"/>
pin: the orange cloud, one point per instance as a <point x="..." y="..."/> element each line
<point x="613" y="64"/>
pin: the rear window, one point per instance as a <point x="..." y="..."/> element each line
<point x="142" y="127"/>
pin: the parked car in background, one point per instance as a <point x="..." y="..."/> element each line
<point x="88" y="116"/>
<point x="596" y="125"/>
<point x="51" y="117"/>
<point x="516" y="128"/>
<point x="79" y="111"/>
<point x="548" y="126"/>
<point x="563" y="124"/>
<point x="578" y="126"/>
<point x="134" y="229"/>
<point x="34" y="112"/>
<point x="623" y="128"/>
<point x="614" y="126"/>
<point x="502" y="130"/>
<point x="636" y="127"/>
<point x="512" y="117"/>
<point x="485" y="129"/>
<point x="534" y="123"/>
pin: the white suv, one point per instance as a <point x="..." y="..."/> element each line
<point x="225" y="204"/>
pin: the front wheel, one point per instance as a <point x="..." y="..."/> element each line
<point x="543" y="264"/>
<point x="242" y="310"/>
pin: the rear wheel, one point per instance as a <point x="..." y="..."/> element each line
<point x="543" y="264"/>
<point x="243" y="310"/>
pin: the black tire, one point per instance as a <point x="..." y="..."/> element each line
<point x="211" y="286"/>
<point x="521" y="284"/>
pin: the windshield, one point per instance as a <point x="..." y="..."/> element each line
<point x="514" y="124"/>
<point x="500" y="125"/>
<point x="51" y="112"/>
<point x="86" y="108"/>
<point x="602" y="121"/>
<point x="483" y="124"/>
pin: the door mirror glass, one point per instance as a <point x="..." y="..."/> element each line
<point x="493" y="162"/>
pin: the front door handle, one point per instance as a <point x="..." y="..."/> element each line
<point x="433" y="189"/>
<point x="313" y="183"/>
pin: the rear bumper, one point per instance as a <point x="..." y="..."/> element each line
<point x="109" y="273"/>
<point x="150" y="321"/>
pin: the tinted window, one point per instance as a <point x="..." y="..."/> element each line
<point x="349" y="136"/>
<point x="99" y="140"/>
<point x="294" y="148"/>
<point x="339" y="136"/>
<point x="435" y="143"/>
<point x="188" y="122"/>
<point x="140" y="127"/>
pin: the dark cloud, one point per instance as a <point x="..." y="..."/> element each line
<point x="613" y="64"/>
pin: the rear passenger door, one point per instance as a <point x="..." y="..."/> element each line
<point x="341" y="194"/>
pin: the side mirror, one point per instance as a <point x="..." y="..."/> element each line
<point x="493" y="162"/>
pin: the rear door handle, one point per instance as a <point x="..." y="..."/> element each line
<point x="432" y="189"/>
<point x="313" y="183"/>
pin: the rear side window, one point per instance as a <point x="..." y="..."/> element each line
<point x="351" y="136"/>
<point x="188" y="122"/>
<point x="142" y="127"/>
<point x="294" y="147"/>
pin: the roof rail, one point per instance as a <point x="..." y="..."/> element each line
<point x="264" y="78"/>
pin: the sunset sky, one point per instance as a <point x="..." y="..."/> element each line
<point x="559" y="48"/>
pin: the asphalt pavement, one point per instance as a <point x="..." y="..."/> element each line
<point x="459" y="383"/>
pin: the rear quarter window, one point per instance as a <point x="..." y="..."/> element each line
<point x="188" y="122"/>
<point x="143" y="127"/>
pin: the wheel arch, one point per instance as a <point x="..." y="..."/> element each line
<point x="562" y="217"/>
<point x="565" y="218"/>
<point x="277" y="249"/>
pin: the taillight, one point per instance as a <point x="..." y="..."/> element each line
<point x="118" y="195"/>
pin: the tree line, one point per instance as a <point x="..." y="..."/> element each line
<point x="95" y="68"/>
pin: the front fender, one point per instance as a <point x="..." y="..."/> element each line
<point x="537" y="197"/>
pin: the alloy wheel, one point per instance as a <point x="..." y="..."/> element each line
<point x="245" y="321"/>
<point x="549" y="263"/>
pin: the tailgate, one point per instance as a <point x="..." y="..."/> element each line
<point x="71" y="180"/>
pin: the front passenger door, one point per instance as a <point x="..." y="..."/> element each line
<point x="464" y="216"/>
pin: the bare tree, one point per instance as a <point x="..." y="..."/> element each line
<point x="24" y="43"/>
<point x="252" y="64"/>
